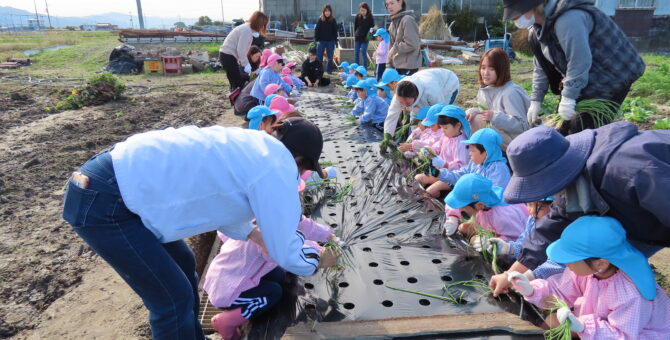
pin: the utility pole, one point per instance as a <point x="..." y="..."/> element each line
<point x="222" y="19"/>
<point x="37" y="17"/>
<point x="48" y="16"/>
<point x="139" y="14"/>
<point x="131" y="19"/>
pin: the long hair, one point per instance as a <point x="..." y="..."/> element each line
<point x="500" y="61"/>
<point x="253" y="50"/>
<point x="367" y="15"/>
<point x="323" y="11"/>
<point x="258" y="22"/>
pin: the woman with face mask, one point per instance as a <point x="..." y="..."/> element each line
<point x="233" y="51"/>
<point x="580" y="53"/>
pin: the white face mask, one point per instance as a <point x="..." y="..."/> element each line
<point x="524" y="22"/>
<point x="255" y="34"/>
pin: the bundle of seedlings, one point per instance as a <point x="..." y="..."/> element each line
<point x="601" y="111"/>
<point x="562" y="331"/>
<point x="432" y="25"/>
<point x="476" y="284"/>
<point x="489" y="256"/>
<point x="422" y="162"/>
<point x="343" y="257"/>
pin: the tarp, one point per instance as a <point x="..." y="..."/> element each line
<point x="122" y="60"/>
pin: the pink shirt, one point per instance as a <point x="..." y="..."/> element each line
<point x="508" y="221"/>
<point x="453" y="152"/>
<point x="240" y="265"/>
<point x="430" y="139"/>
<point x="612" y="308"/>
<point x="381" y="52"/>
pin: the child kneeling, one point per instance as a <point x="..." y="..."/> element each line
<point x="370" y="109"/>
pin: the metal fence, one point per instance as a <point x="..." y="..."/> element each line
<point x="636" y="4"/>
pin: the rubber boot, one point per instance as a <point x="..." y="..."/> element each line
<point x="226" y="323"/>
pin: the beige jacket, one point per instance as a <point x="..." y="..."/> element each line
<point x="237" y="43"/>
<point x="405" y="51"/>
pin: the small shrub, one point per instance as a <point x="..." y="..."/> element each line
<point x="662" y="124"/>
<point x="637" y="109"/>
<point x="97" y="90"/>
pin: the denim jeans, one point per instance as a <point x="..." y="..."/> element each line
<point x="162" y="274"/>
<point x="362" y="50"/>
<point x="329" y="47"/>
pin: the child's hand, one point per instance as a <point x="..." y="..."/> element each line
<point x="563" y="314"/>
<point x="502" y="246"/>
<point x="438" y="162"/>
<point x="466" y="228"/>
<point x="450" y="226"/>
<point x="327" y="258"/>
<point x="335" y="240"/>
<point x="404" y="147"/>
<point x="520" y="283"/>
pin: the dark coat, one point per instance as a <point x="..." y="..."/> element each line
<point x="362" y="26"/>
<point x="325" y="30"/>
<point x="629" y="175"/>
<point x="312" y="70"/>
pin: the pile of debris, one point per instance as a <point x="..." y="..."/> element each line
<point x="14" y="63"/>
<point x="126" y="59"/>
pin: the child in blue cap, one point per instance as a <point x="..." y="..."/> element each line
<point x="370" y="109"/>
<point x="430" y="138"/>
<point x="261" y="118"/>
<point x="381" y="53"/>
<point x="419" y="128"/>
<point x="453" y="154"/>
<point x="609" y="284"/>
<point x="361" y="72"/>
<point x="352" y="68"/>
<point x="344" y="70"/>
<point x="477" y="196"/>
<point x="390" y="78"/>
<point x="351" y="81"/>
<point x="384" y="92"/>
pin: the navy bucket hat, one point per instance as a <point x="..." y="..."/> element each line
<point x="544" y="162"/>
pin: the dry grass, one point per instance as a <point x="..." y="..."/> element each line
<point x="432" y="26"/>
<point x="13" y="44"/>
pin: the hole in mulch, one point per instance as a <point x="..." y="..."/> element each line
<point x="310" y="306"/>
<point x="424" y="302"/>
<point x="333" y="225"/>
<point x="404" y="263"/>
<point x="345" y="172"/>
<point x="367" y="249"/>
<point x="417" y="235"/>
<point x="347" y="177"/>
<point x="378" y="282"/>
<point x="398" y="201"/>
<point x="309" y="285"/>
<point x="383" y="223"/>
<point x="339" y="156"/>
<point x="430" y="210"/>
<point x="419" y="201"/>
<point x="375" y="202"/>
<point x="404" y="211"/>
<point x="479" y="277"/>
<point x="332" y="214"/>
<point x="353" y="204"/>
<point x="409" y="220"/>
<point x="437" y="261"/>
<point x="331" y="204"/>
<point x="389" y="186"/>
<point x="396" y="247"/>
<point x="390" y="235"/>
<point x="359" y="224"/>
<point x="412" y="280"/>
<point x="446" y="278"/>
<point x="380" y="212"/>
<point x="343" y="284"/>
<point x="364" y="237"/>
<point x="373" y="264"/>
<point x="394" y="193"/>
<point x="364" y="172"/>
<point x="468" y="258"/>
<point x="387" y="303"/>
<point x="425" y="246"/>
<point x="348" y="305"/>
<point x="462" y="301"/>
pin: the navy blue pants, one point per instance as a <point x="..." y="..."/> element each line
<point x="162" y="274"/>
<point x="380" y="70"/>
<point x="260" y="299"/>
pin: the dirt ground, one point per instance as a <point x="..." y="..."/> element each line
<point x="51" y="285"/>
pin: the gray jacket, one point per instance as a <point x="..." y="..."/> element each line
<point x="405" y="51"/>
<point x="592" y="55"/>
<point x="510" y="103"/>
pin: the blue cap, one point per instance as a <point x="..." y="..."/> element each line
<point x="386" y="90"/>
<point x="389" y="75"/>
<point x="269" y="98"/>
<point x="344" y="64"/>
<point x="362" y="70"/>
<point x="605" y="238"/>
<point x="547" y="199"/>
<point x="351" y="81"/>
<point x="473" y="188"/>
<point x="382" y="32"/>
<point x="353" y="66"/>
<point x="431" y="115"/>
<point x="421" y="114"/>
<point x="365" y="85"/>
<point x="490" y="139"/>
<point x="456" y="112"/>
<point x="256" y="115"/>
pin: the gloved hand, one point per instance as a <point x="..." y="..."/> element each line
<point x="385" y="142"/>
<point x="438" y="162"/>
<point x="471" y="112"/>
<point x="479" y="242"/>
<point x="331" y="171"/>
<point x="335" y="240"/>
<point x="566" y="108"/>
<point x="520" y="283"/>
<point x="502" y="246"/>
<point x="247" y="69"/>
<point x="450" y="226"/>
<point x="529" y="274"/>
<point x="533" y="112"/>
<point x="563" y="314"/>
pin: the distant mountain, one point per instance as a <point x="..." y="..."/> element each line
<point x="10" y="16"/>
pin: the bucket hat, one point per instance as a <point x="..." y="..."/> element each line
<point x="269" y="98"/>
<point x="382" y="32"/>
<point x="515" y="8"/>
<point x="282" y="105"/>
<point x="431" y="115"/>
<point x="604" y="237"/>
<point x="353" y="66"/>
<point x="544" y="162"/>
<point x="362" y="70"/>
<point x="473" y="188"/>
<point x="456" y="112"/>
<point x="274" y="58"/>
<point x="351" y="81"/>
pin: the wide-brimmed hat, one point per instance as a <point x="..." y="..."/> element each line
<point x="515" y="8"/>
<point x="302" y="138"/>
<point x="604" y="237"/>
<point x="473" y="188"/>
<point x="544" y="162"/>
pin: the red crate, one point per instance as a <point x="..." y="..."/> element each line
<point x="172" y="66"/>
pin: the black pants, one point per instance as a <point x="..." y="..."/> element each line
<point x="232" y="68"/>
<point x="406" y="72"/>
<point x="584" y="121"/>
<point x="380" y="70"/>
<point x="322" y="81"/>
<point x="260" y="299"/>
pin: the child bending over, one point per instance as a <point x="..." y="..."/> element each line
<point x="431" y="136"/>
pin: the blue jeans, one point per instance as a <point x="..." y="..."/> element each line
<point x="362" y="50"/>
<point x="329" y="47"/>
<point x="162" y="274"/>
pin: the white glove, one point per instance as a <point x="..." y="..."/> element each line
<point x="566" y="108"/>
<point x="533" y="112"/>
<point x="520" y="283"/>
<point x="529" y="274"/>
<point x="502" y="246"/>
<point x="563" y="314"/>
<point x="450" y="226"/>
<point x="247" y="69"/>
<point x="438" y="162"/>
<point x="479" y="242"/>
<point x="331" y="171"/>
<point x="471" y="112"/>
<point x="424" y="152"/>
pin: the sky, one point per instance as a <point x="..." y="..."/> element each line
<point x="232" y="9"/>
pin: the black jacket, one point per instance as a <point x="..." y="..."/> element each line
<point x="362" y="26"/>
<point x="325" y="30"/>
<point x="312" y="70"/>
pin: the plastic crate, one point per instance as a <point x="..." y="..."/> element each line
<point x="172" y="66"/>
<point x="153" y="66"/>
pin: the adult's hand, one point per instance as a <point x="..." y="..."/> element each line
<point x="566" y="108"/>
<point x="533" y="112"/>
<point x="384" y="144"/>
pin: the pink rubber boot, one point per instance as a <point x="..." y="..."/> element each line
<point x="227" y="323"/>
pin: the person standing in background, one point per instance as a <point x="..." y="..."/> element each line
<point x="362" y="25"/>
<point x="325" y="35"/>
<point x="405" y="51"/>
